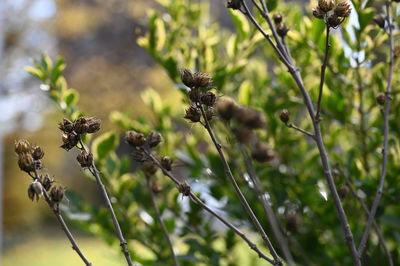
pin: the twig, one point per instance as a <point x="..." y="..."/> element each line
<point x="311" y="135"/>
<point x="239" y="193"/>
<point x="198" y="201"/>
<point x="379" y="192"/>
<point x="160" y="221"/>
<point x="259" y="191"/>
<point x="124" y="245"/>
<point x="323" y="69"/>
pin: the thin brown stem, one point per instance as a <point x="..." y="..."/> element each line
<point x="160" y="221"/>
<point x="238" y="192"/>
<point x="311" y="135"/>
<point x="323" y="69"/>
<point x="198" y="201"/>
<point x="124" y="245"/>
<point x="379" y="192"/>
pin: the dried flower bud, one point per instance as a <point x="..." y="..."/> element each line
<point x="334" y="21"/>
<point x="134" y="138"/>
<point x="194" y="95"/>
<point x="66" y="126"/>
<point x="149" y="168"/>
<point x="209" y="113"/>
<point x="226" y="109"/>
<point x="166" y="162"/>
<point x="380" y="21"/>
<point x="284" y="116"/>
<point x="381" y="98"/>
<point x="70" y="140"/>
<point x="277" y="17"/>
<point x="153" y="139"/>
<point x="326" y="5"/>
<point x="282" y="30"/>
<point x="396" y="52"/>
<point x="22" y="146"/>
<point x="156" y="188"/>
<point x="26" y="162"/>
<point x="343" y="9"/>
<point x="193" y="114"/>
<point x="35" y="189"/>
<point x="81" y="125"/>
<point x="251" y="118"/>
<point x="202" y="80"/>
<point x="261" y="152"/>
<point x="243" y="134"/>
<point x="138" y="156"/>
<point x="184" y="188"/>
<point x="208" y="98"/>
<point x="293" y="222"/>
<point x="234" y="4"/>
<point x="85" y="159"/>
<point x="37" y="153"/>
<point x="318" y="13"/>
<point x="94" y="124"/>
<point x="46" y="181"/>
<point x="343" y="191"/>
<point x="187" y="77"/>
<point x="57" y="194"/>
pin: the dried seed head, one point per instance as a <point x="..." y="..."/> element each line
<point x="202" y="80"/>
<point x="166" y="162"/>
<point x="284" y="116"/>
<point x="57" y="194"/>
<point x="293" y="222"/>
<point x="343" y="191"/>
<point x="334" y="21"/>
<point x="318" y="13"/>
<point x="209" y="113"/>
<point x="282" y="30"/>
<point x="261" y="152"/>
<point x="70" y="140"/>
<point x="153" y="139"/>
<point x="342" y="9"/>
<point x="194" y="95"/>
<point x="81" y="125"/>
<point x="66" y="126"/>
<point x="193" y="114"/>
<point x="234" y="4"/>
<point x="149" y="168"/>
<point x="138" y="156"/>
<point x="85" y="159"/>
<point x="35" y="189"/>
<point x="94" y="124"/>
<point x="277" y="17"/>
<point x="326" y="5"/>
<point x="243" y="134"/>
<point x="381" y="98"/>
<point x="184" y="188"/>
<point x="26" y="162"/>
<point x="226" y="109"/>
<point x="187" y="77"/>
<point x="22" y="146"/>
<point x="134" y="138"/>
<point x="251" y="118"/>
<point x="46" y="181"/>
<point x="37" y="153"/>
<point x="208" y="98"/>
<point x="380" y="21"/>
<point x="156" y="188"/>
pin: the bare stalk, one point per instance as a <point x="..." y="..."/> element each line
<point x="294" y="71"/>
<point x="259" y="191"/>
<point x="301" y="130"/>
<point x="198" y="201"/>
<point x="161" y="222"/>
<point x="239" y="193"/>
<point x="379" y="192"/>
<point x="93" y="170"/>
<point x="323" y="69"/>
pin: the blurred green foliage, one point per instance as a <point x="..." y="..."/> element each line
<point x="185" y="34"/>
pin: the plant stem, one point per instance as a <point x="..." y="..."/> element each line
<point x="160" y="221"/>
<point x="239" y="193"/>
<point x="323" y="69"/>
<point x="124" y="245"/>
<point x="259" y="191"/>
<point x="294" y="71"/>
<point x="301" y="130"/>
<point x="379" y="192"/>
<point x="198" y="201"/>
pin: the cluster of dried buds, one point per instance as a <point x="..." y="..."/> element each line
<point x="333" y="14"/>
<point x="29" y="161"/>
<point x="281" y="28"/>
<point x="234" y="4"/>
<point x="72" y="130"/>
<point x="244" y="121"/>
<point x="199" y="94"/>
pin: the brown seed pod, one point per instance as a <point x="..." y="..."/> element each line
<point x="293" y="222"/>
<point x="153" y="139"/>
<point x="46" y="181"/>
<point x="22" y="146"/>
<point x="343" y="191"/>
<point x="166" y="162"/>
<point x="184" y="188"/>
<point x="149" y="168"/>
<point x="37" y="153"/>
<point x="26" y="162"/>
<point x="277" y="17"/>
<point x="57" y="194"/>
<point x="85" y="159"/>
<point x="234" y="4"/>
<point x="81" y="125"/>
<point x="35" y="189"/>
<point x="187" y="77"/>
<point x="193" y="114"/>
<point x="282" y="30"/>
<point x="326" y="5"/>
<point x="226" y="109"/>
<point x="70" y="140"/>
<point x="66" y="126"/>
<point x="261" y="152"/>
<point x="342" y="9"/>
<point x="208" y="98"/>
<point x="134" y="138"/>
<point x="381" y="98"/>
<point x="94" y="124"/>
<point x="250" y="118"/>
<point x="202" y="80"/>
<point x="194" y="95"/>
<point x="334" y="21"/>
<point x="318" y="13"/>
<point x="284" y="116"/>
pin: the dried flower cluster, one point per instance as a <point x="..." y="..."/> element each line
<point x="72" y="131"/>
<point x="334" y="15"/>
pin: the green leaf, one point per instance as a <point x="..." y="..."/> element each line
<point x="35" y="72"/>
<point x="272" y="4"/>
<point x="71" y="97"/>
<point x="57" y="70"/>
<point x="245" y="91"/>
<point x="104" y="145"/>
<point x="151" y="98"/>
<point x="241" y="24"/>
